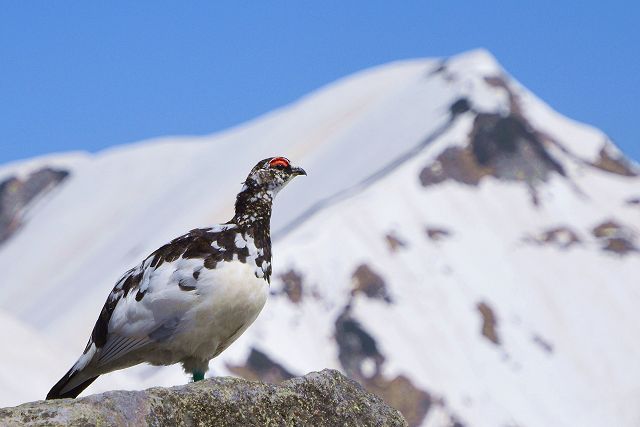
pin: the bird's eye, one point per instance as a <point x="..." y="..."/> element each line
<point x="279" y="163"/>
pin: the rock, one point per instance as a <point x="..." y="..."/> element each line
<point x="615" y="237"/>
<point x="489" y="323"/>
<point x="612" y="162"/>
<point x="562" y="237"/>
<point x="324" y="398"/>
<point x="260" y="367"/>
<point x="361" y="359"/>
<point x="16" y="194"/>
<point x="369" y="283"/>
<point x="292" y="286"/>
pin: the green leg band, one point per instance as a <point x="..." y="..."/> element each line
<point x="198" y="376"/>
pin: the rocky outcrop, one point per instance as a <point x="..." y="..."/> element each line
<point x="505" y="147"/>
<point x="562" y="237"/>
<point x="394" y="243"/>
<point x="436" y="234"/>
<point x="17" y="193"/>
<point x="369" y="283"/>
<point x="616" y="163"/>
<point x="292" y="286"/>
<point x="489" y="323"/>
<point x="324" y="398"/>
<point x="362" y="360"/>
<point x="615" y="237"/>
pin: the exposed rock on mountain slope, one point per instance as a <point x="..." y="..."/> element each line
<point x="260" y="367"/>
<point x="615" y="163"/>
<point x="370" y="284"/>
<point x="321" y="399"/>
<point x="292" y="285"/>
<point x="17" y="193"/>
<point x="560" y="236"/>
<point x="394" y="242"/>
<point x="503" y="147"/>
<point x="489" y="323"/>
<point x="615" y="237"/>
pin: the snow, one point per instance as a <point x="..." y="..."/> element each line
<point x="120" y="204"/>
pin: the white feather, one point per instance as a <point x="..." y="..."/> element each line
<point x="170" y="325"/>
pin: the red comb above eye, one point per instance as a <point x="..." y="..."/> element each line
<point x="279" y="161"/>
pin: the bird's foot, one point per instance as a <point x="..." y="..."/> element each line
<point x="198" y="376"/>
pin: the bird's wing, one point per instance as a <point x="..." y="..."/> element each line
<point x="117" y="346"/>
<point x="147" y="305"/>
<point x="132" y="318"/>
<point x="148" y="302"/>
<point x="150" y="313"/>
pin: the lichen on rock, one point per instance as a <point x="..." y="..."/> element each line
<point x="324" y="398"/>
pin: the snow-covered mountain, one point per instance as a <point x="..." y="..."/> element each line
<point x="459" y="247"/>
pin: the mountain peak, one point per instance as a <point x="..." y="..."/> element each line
<point x="478" y="60"/>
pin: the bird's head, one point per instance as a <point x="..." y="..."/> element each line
<point x="271" y="175"/>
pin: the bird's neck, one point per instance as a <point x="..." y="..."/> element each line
<point x="253" y="209"/>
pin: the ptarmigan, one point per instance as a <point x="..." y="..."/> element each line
<point x="191" y="298"/>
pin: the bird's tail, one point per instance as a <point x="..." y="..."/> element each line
<point x="71" y="385"/>
<point x="79" y="377"/>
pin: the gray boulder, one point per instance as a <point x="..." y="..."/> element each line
<point x="324" y="398"/>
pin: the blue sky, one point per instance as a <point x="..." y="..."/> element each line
<point x="87" y="75"/>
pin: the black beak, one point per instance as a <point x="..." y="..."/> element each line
<point x="298" y="171"/>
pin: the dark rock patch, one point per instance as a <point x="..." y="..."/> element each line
<point x="615" y="237"/>
<point x="633" y="201"/>
<point x="403" y="395"/>
<point x="357" y="349"/>
<point x="607" y="229"/>
<point x="504" y="147"/>
<point x="620" y="245"/>
<point x="259" y="367"/>
<point x="394" y="243"/>
<point x="501" y="82"/>
<point x="292" y="286"/>
<point x="489" y="323"/>
<point x="437" y="234"/>
<point x="441" y="68"/>
<point x="511" y="149"/>
<point x="614" y="163"/>
<point x="562" y="237"/>
<point x="460" y="106"/>
<point x="16" y="194"/>
<point x="543" y="344"/>
<point x="368" y="282"/>
<point x="454" y="163"/>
